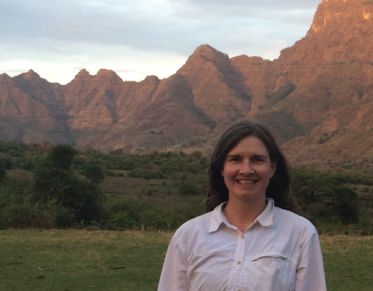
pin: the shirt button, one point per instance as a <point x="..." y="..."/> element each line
<point x="238" y="262"/>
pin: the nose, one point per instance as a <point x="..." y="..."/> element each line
<point x="246" y="167"/>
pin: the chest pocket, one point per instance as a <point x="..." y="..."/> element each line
<point x="270" y="272"/>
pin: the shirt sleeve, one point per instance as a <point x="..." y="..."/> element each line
<point x="310" y="271"/>
<point x="174" y="271"/>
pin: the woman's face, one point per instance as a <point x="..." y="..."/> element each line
<point x="247" y="170"/>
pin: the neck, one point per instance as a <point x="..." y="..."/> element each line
<point x="243" y="213"/>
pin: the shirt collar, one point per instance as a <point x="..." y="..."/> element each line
<point x="266" y="217"/>
<point x="218" y="218"/>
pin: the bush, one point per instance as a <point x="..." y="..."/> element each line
<point x="188" y="188"/>
<point x="94" y="173"/>
<point x="79" y="201"/>
<point x="324" y="197"/>
<point x="5" y="164"/>
<point x="345" y="204"/>
<point x="122" y="220"/>
<point x="62" y="156"/>
<point x="64" y="217"/>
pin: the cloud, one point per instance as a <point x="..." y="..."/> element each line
<point x="250" y="4"/>
<point x="158" y="24"/>
<point x="102" y="31"/>
<point x="101" y="22"/>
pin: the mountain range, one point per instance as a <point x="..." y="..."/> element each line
<point x="317" y="98"/>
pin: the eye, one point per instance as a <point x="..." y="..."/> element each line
<point x="233" y="158"/>
<point x="259" y="159"/>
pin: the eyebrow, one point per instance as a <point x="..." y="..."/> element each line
<point x="233" y="155"/>
<point x="253" y="156"/>
<point x="260" y="156"/>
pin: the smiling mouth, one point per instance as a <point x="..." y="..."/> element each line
<point x="247" y="181"/>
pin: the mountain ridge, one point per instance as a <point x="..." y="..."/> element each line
<point x="316" y="97"/>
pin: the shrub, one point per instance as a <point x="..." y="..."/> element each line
<point x="62" y="156"/>
<point x="188" y="188"/>
<point x="122" y="220"/>
<point x="55" y="181"/>
<point x="324" y="197"/>
<point x="64" y="217"/>
<point x="94" y="173"/>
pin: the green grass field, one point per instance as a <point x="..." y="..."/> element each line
<point x="132" y="260"/>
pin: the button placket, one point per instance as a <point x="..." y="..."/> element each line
<point x="240" y="258"/>
<point x="240" y="249"/>
<point x="235" y="275"/>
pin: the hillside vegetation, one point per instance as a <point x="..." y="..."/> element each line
<point x="43" y="186"/>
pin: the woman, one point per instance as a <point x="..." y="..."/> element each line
<point x="247" y="240"/>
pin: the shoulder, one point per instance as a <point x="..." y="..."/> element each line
<point x="192" y="229"/>
<point x="196" y="224"/>
<point x="294" y="222"/>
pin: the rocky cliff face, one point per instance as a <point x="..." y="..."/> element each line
<point x="31" y="110"/>
<point x="316" y="97"/>
<point x="332" y="69"/>
<point x="217" y="87"/>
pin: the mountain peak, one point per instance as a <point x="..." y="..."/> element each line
<point x="202" y="55"/>
<point x="207" y="51"/>
<point x="82" y="73"/>
<point x="108" y="76"/>
<point x="30" y="74"/>
<point x="82" y="76"/>
<point x="151" y="78"/>
<point x="107" y="73"/>
<point x="342" y="14"/>
<point x="341" y="31"/>
<point x="4" y="76"/>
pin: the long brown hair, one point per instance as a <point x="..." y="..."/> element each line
<point x="278" y="188"/>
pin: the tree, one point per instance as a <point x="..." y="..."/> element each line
<point x="5" y="164"/>
<point x="345" y="204"/>
<point x="62" y="156"/>
<point x="55" y="181"/>
<point x="2" y="171"/>
<point x="94" y="173"/>
<point x="324" y="197"/>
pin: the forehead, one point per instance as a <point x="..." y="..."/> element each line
<point x="249" y="144"/>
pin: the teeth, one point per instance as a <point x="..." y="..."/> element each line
<point x="246" y="181"/>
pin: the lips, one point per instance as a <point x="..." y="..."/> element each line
<point x="249" y="180"/>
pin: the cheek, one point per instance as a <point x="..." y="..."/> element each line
<point x="228" y="182"/>
<point x="226" y="175"/>
<point x="228" y="171"/>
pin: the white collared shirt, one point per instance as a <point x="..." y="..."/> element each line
<point x="279" y="251"/>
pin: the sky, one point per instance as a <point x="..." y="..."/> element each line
<point x="58" y="38"/>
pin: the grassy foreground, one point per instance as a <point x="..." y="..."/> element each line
<point x="132" y="260"/>
<point x="80" y="260"/>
